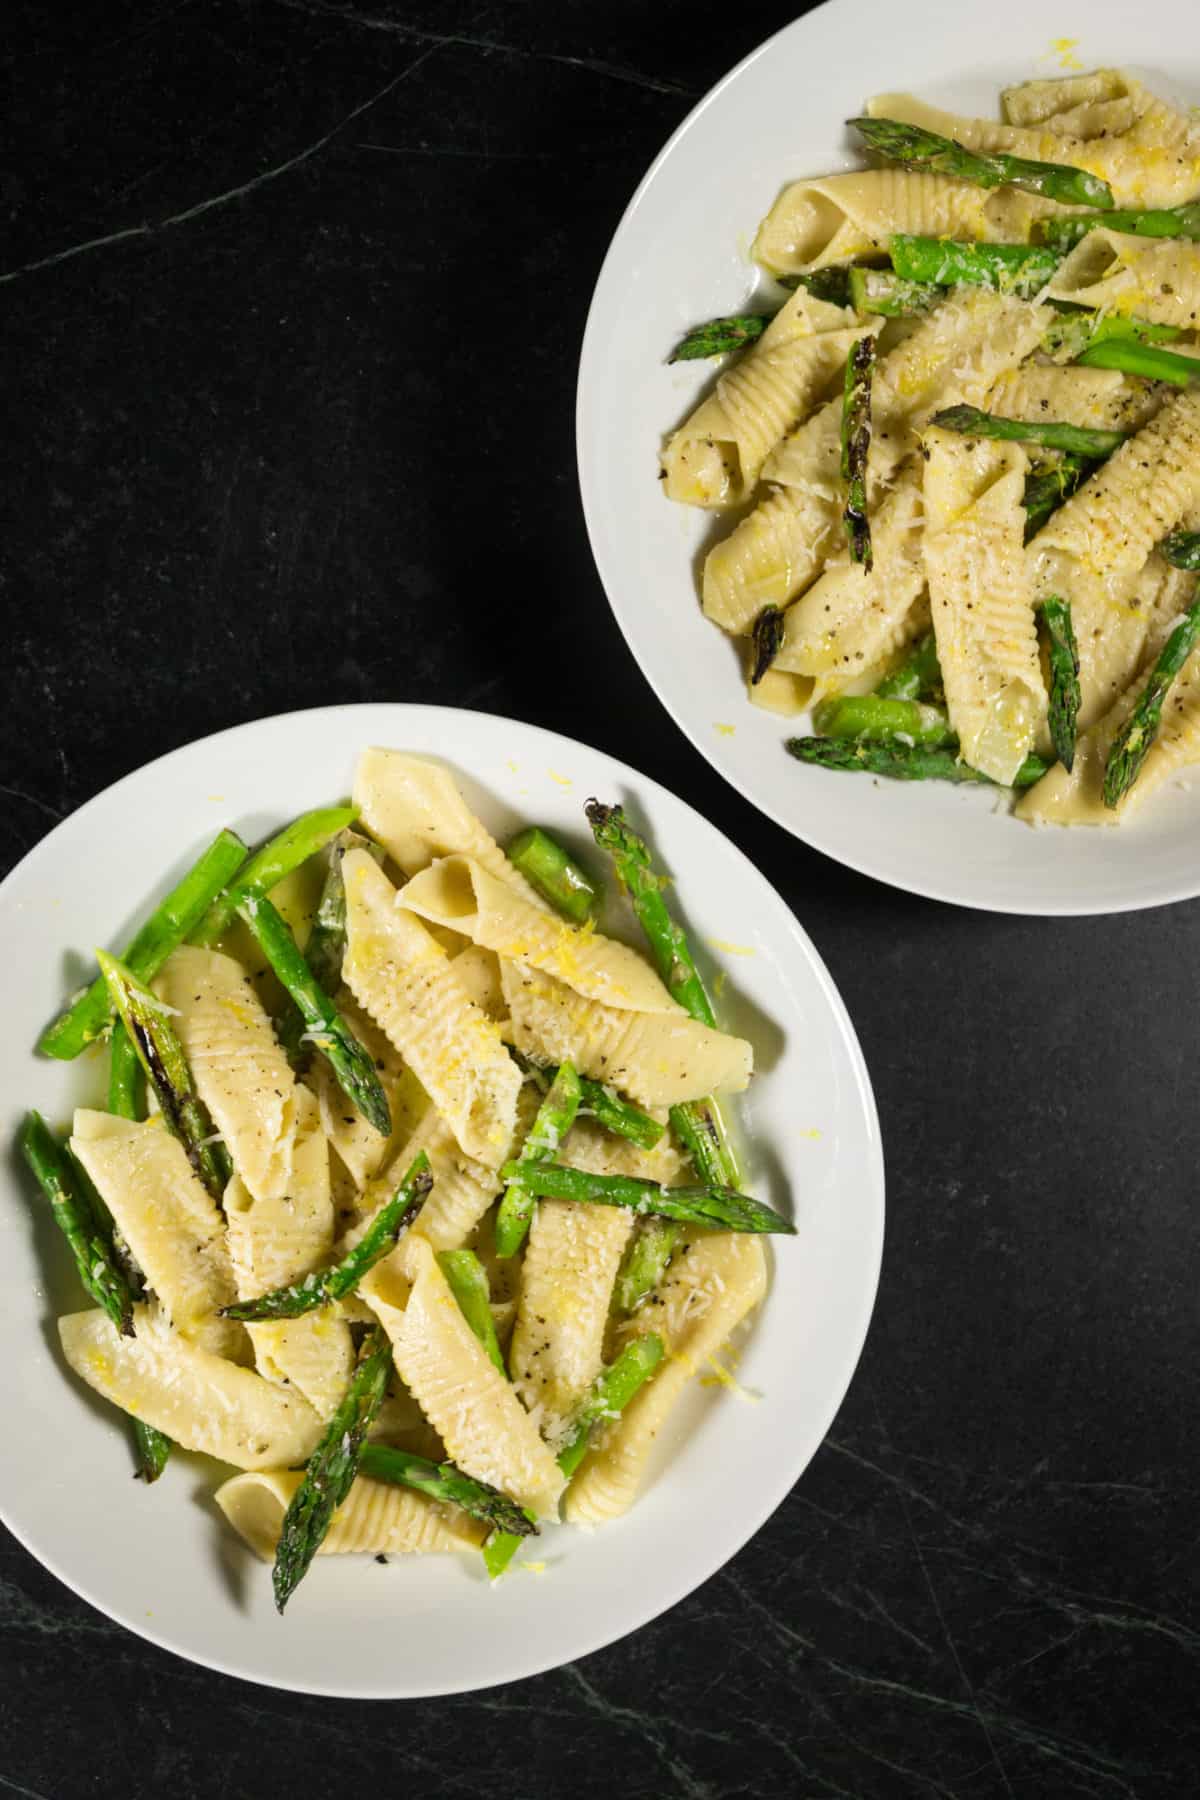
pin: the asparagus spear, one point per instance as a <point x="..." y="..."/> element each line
<point x="882" y="291"/>
<point x="918" y="148"/>
<point x="604" y="1105"/>
<point x="721" y="1207"/>
<point x="1165" y="222"/>
<point x="701" y="1130"/>
<point x="268" y="867"/>
<point x="609" y="1395"/>
<point x="1063" y="653"/>
<point x="85" y="1222"/>
<point x="330" y="1470"/>
<point x="607" y="1398"/>
<point x="902" y="762"/>
<point x="766" y="641"/>
<point x="1048" y="484"/>
<point x="1052" y="434"/>
<point x="1182" y="549"/>
<point x="555" y="874"/>
<point x="161" y="1054"/>
<point x="351" y="1063"/>
<point x="667" y="940"/>
<point x="1134" y="358"/>
<point x="1078" y="328"/>
<point x="1022" y="269"/>
<point x="445" y="1482"/>
<point x="919" y="676"/>
<point x="555" y="1117"/>
<point x="324" y="1286"/>
<point x="868" y="716"/>
<point x="1132" y="743"/>
<point x="325" y="950"/>
<point x="152" y="1449"/>
<point x="326" y="947"/>
<point x="831" y="284"/>
<point x="168" y="925"/>
<point x="95" y="1262"/>
<point x="716" y="337"/>
<point x="126" y="1077"/>
<point x="856" y="445"/>
<point x="468" y="1283"/>
<point x="644" y="1263"/>
<point x="127" y="1098"/>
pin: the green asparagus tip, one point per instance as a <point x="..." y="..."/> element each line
<point x="767" y="641"/>
<point x="1182" y="550"/>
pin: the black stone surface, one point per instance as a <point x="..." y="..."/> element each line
<point x="292" y="297"/>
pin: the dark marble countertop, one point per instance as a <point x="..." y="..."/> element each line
<point x="292" y="296"/>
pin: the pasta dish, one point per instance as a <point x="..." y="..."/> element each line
<point x="958" y="451"/>
<point x="414" y="1198"/>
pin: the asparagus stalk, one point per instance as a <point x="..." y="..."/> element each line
<point x="701" y="1130"/>
<point x="903" y="762"/>
<point x="1132" y="743"/>
<point x="831" y="284"/>
<point x="609" y="1395"/>
<point x="161" y="1054"/>
<point x="918" y="148"/>
<point x="882" y="291"/>
<point x="95" y="1261"/>
<point x="555" y="1117"/>
<point x="126" y="1077"/>
<point x="499" y="1550"/>
<point x="351" y="1063"/>
<point x="555" y="874"/>
<point x="1146" y="360"/>
<point x="1049" y="484"/>
<point x="1182" y="549"/>
<point x="168" y="925"/>
<point x="721" y="1207"/>
<point x="644" y="1263"/>
<point x="605" y="1105"/>
<point x="448" y="1484"/>
<point x="1077" y="329"/>
<point x="152" y="1449"/>
<point x="1052" y="434"/>
<point x="1063" y="654"/>
<point x="856" y="445"/>
<point x="468" y="1283"/>
<point x="668" y="942"/>
<point x="919" y="676"/>
<point x="716" y="337"/>
<point x="325" y="950"/>
<point x="269" y="865"/>
<point x="1022" y="269"/>
<point x="127" y="1098"/>
<point x="330" y="1470"/>
<point x="766" y="641"/>
<point x="868" y="716"/>
<point x="1165" y="222"/>
<point x="324" y="1286"/>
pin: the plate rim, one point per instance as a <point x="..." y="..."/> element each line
<point x="795" y="1464"/>
<point x="1078" y="905"/>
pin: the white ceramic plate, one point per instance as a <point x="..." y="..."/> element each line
<point x="680" y="255"/>
<point x="162" y="1561"/>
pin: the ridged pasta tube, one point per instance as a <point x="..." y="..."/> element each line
<point x="376" y="1518"/>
